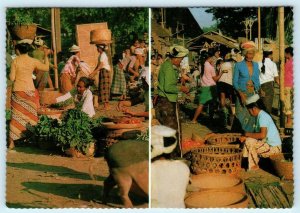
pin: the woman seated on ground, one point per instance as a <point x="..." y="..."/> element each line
<point x="143" y="98"/>
<point x="83" y="96"/>
<point x="265" y="140"/>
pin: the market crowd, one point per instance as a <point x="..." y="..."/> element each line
<point x="240" y="90"/>
<point x="28" y="67"/>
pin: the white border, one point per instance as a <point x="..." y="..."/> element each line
<point x="151" y="3"/>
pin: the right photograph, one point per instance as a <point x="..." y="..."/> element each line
<point x="222" y="117"/>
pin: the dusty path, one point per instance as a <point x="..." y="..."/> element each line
<point x="42" y="179"/>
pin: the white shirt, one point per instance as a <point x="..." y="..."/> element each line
<point x="87" y="98"/>
<point x="271" y="71"/>
<point x="104" y="59"/>
<point x="226" y="77"/>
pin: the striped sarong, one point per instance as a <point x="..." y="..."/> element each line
<point x="118" y="86"/>
<point x="104" y="85"/>
<point x="24" y="112"/>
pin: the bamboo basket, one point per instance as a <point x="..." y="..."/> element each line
<point x="24" y="31"/>
<point x="205" y="182"/>
<point x="48" y="96"/>
<point x="100" y="36"/>
<point x="217" y="199"/>
<point x="282" y="167"/>
<point x="216" y="160"/>
<point x="51" y="113"/>
<point x="223" y="139"/>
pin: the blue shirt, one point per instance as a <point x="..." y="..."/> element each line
<point x="265" y="120"/>
<point x="241" y="76"/>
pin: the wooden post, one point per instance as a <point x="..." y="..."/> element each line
<point x="281" y="60"/>
<point x="54" y="47"/>
<point x="57" y="29"/>
<point x="259" y="29"/>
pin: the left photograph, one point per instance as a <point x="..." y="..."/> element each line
<point x="77" y="107"/>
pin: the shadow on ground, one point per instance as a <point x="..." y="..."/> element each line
<point x="59" y="170"/>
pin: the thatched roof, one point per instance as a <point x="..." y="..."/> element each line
<point x="199" y="41"/>
<point x="161" y="32"/>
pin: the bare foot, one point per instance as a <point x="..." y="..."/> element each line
<point x="11" y="145"/>
<point x="254" y="168"/>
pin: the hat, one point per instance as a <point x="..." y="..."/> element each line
<point x="267" y="49"/>
<point x="74" y="49"/>
<point x="178" y="51"/>
<point x="102" y="46"/>
<point x="38" y="41"/>
<point x="145" y="74"/>
<point x="252" y="99"/>
<point x="248" y="45"/>
<point x="25" y="41"/>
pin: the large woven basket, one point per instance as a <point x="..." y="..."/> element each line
<point x="223" y="139"/>
<point x="217" y="199"/>
<point x="283" y="165"/>
<point x="216" y="160"/>
<point x="24" y="31"/>
<point x="100" y="36"/>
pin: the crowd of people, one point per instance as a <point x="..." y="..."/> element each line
<point x="234" y="84"/>
<point x="29" y="74"/>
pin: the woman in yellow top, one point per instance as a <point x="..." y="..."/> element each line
<point x="24" y="100"/>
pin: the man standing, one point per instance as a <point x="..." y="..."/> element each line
<point x="166" y="109"/>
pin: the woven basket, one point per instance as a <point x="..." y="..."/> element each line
<point x="100" y="36"/>
<point x="223" y="139"/>
<point x="51" y="113"/>
<point x="283" y="167"/>
<point x="204" y="182"/>
<point x="217" y="199"/>
<point x="216" y="160"/>
<point x="24" y="31"/>
<point x="48" y="96"/>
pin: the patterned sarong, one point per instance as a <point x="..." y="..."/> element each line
<point x="24" y="112"/>
<point x="104" y="85"/>
<point x="118" y="86"/>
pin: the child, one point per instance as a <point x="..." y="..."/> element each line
<point x="83" y="96"/>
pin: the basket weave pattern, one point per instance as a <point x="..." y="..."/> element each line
<point x="283" y="168"/>
<point x="216" y="160"/>
<point x="223" y="139"/>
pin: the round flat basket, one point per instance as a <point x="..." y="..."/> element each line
<point x="24" y="31"/>
<point x="204" y="182"/>
<point x="283" y="165"/>
<point x="112" y="125"/>
<point x="217" y="199"/>
<point x="52" y="113"/>
<point x="216" y="160"/>
<point x="223" y="139"/>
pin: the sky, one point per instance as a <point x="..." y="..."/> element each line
<point x="204" y="19"/>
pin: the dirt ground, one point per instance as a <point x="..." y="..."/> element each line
<point x="43" y="179"/>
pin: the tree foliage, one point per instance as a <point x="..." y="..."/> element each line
<point x="126" y="24"/>
<point x="230" y="21"/>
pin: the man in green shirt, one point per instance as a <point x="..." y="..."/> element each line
<point x="166" y="109"/>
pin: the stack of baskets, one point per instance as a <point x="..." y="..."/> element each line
<point x="219" y="157"/>
<point x="217" y="167"/>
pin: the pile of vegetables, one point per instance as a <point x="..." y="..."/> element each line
<point x="74" y="131"/>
